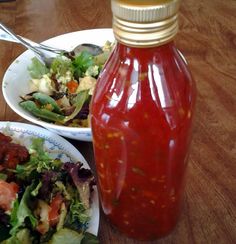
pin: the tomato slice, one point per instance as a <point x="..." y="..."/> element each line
<point x="54" y="212"/>
<point x="8" y="193"/>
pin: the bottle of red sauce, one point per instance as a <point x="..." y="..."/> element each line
<point x="141" y="118"/>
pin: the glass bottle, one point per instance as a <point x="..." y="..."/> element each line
<point x="141" y="119"/>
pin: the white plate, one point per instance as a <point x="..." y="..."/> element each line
<point x="61" y="148"/>
<point x="16" y="78"/>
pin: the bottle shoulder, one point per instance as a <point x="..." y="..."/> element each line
<point x="129" y="60"/>
<point x="166" y="54"/>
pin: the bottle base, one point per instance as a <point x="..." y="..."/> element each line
<point x="144" y="235"/>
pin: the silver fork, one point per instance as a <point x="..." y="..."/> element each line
<point x="43" y="52"/>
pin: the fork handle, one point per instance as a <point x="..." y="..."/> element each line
<point x="7" y="35"/>
<point x="19" y="39"/>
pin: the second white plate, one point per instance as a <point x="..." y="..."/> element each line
<point x="61" y="149"/>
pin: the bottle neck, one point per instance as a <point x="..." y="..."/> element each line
<point x="145" y="23"/>
<point x="125" y="50"/>
<point x="145" y="35"/>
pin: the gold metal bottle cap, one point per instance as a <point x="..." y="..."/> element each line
<point x="145" y="23"/>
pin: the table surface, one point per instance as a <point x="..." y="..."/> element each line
<point x="207" y="38"/>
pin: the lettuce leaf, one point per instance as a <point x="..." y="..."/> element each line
<point x="22" y="237"/>
<point x="77" y="217"/>
<point x="39" y="162"/>
<point x="79" y="101"/>
<point x="83" y="180"/>
<point x="81" y="63"/>
<point x="37" y="69"/>
<point x="22" y="211"/>
<point x="71" y="237"/>
<point x="61" y="65"/>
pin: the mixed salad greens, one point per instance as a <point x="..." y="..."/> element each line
<point x="42" y="200"/>
<point x="61" y="93"/>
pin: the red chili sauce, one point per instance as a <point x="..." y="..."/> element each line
<point x="141" y="121"/>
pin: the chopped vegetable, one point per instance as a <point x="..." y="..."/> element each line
<point x="71" y="237"/>
<point x="81" y="63"/>
<point x="61" y="65"/>
<point x="72" y="86"/>
<point x="87" y="83"/>
<point x="31" y="107"/>
<point x="44" y="99"/>
<point x="62" y="217"/>
<point x="8" y="193"/>
<point x="79" y="102"/>
<point x="22" y="237"/>
<point x="42" y="211"/>
<point x="44" y="84"/>
<point x="37" y="69"/>
<point x="82" y="183"/>
<point x="55" y="207"/>
<point x="22" y="211"/>
<point x="55" y="92"/>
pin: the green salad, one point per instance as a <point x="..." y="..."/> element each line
<point x="42" y="200"/>
<point x="61" y="93"/>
